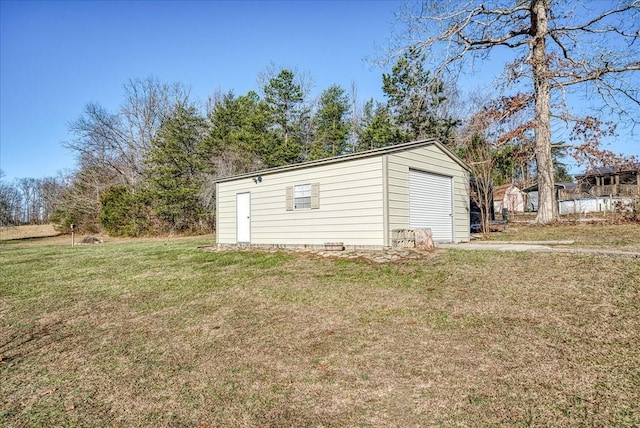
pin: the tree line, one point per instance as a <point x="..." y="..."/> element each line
<point x="29" y="200"/>
<point x="149" y="166"/>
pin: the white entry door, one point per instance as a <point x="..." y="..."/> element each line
<point x="243" y="218"/>
<point x="430" y="204"/>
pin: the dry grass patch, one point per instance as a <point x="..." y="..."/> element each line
<point x="161" y="333"/>
<point x="27" y="232"/>
<point x="624" y="237"/>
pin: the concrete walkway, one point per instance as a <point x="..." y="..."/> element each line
<point x="537" y="246"/>
<point x="496" y="246"/>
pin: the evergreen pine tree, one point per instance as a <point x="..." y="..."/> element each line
<point x="377" y="128"/>
<point x="174" y="173"/>
<point x="416" y="99"/>
<point x="331" y="124"/>
<point x="285" y="99"/>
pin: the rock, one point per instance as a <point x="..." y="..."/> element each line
<point x="424" y="239"/>
<point x="91" y="240"/>
<point x="383" y="256"/>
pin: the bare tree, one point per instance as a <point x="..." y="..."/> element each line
<point x="9" y="202"/>
<point x="28" y="188"/>
<point x="481" y="161"/>
<point x="78" y="201"/>
<point x="560" y="47"/>
<point x="481" y="140"/>
<point x="28" y="200"/>
<point x="120" y="140"/>
<point x="355" y="118"/>
<point x="50" y="190"/>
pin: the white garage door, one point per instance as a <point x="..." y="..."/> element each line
<point x="430" y="204"/>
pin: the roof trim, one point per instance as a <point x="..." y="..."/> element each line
<point x="343" y="158"/>
<point x="557" y="185"/>
<point x="601" y="171"/>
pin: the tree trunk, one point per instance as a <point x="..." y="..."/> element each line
<point x="547" y="209"/>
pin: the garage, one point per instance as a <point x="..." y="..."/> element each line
<point x="358" y="200"/>
<point x="430" y="204"/>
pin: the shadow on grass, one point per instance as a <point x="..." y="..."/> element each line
<point x="30" y="238"/>
<point x="20" y="344"/>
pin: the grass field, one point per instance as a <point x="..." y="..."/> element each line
<point x="158" y="332"/>
<point x="601" y="235"/>
<point x="27" y="232"/>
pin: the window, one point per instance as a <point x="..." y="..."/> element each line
<point x="302" y="196"/>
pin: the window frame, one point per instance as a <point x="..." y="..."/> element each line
<point x="304" y="198"/>
<point x="315" y="197"/>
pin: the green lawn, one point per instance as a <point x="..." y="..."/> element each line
<point x="161" y="333"/>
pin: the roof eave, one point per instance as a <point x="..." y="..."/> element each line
<point x="361" y="155"/>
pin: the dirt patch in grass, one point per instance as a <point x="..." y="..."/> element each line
<point x="162" y="333"/>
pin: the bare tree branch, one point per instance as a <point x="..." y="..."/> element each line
<point x="566" y="46"/>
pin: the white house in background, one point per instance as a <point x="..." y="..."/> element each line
<point x="356" y="199"/>
<point x="509" y="196"/>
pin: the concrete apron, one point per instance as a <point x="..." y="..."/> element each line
<point x="496" y="246"/>
<point x="520" y="246"/>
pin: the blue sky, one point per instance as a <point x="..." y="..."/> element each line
<point x="55" y="57"/>
<point x="58" y="56"/>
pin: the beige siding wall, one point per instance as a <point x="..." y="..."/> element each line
<point x="429" y="159"/>
<point x="351" y="206"/>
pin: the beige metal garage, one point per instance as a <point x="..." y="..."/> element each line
<point x="356" y="199"/>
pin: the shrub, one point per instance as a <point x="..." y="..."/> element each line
<point x="125" y="213"/>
